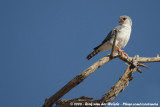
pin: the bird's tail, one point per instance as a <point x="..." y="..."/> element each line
<point x="92" y="54"/>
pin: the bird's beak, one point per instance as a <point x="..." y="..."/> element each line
<point x="121" y="20"/>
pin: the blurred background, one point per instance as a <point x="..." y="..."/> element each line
<point x="44" y="45"/>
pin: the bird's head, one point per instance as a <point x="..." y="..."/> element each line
<point x="125" y="20"/>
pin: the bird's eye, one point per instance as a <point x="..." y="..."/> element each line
<point x="124" y="18"/>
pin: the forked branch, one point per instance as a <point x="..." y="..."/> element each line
<point x="133" y="64"/>
<point x="80" y="77"/>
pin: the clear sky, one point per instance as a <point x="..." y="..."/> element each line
<point x="44" y="44"/>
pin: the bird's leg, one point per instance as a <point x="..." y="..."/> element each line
<point x="121" y="51"/>
<point x="125" y="53"/>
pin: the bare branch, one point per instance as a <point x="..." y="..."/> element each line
<point x="133" y="62"/>
<point x="75" y="81"/>
<point x="109" y="96"/>
<point x="139" y="70"/>
<point x="140" y="60"/>
<point x="143" y="65"/>
<point x="147" y="60"/>
<point x="121" y="84"/>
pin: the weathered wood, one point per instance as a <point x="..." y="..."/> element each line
<point x="75" y="81"/>
<point x="120" y="85"/>
<point x="109" y="96"/>
<point x="80" y="77"/>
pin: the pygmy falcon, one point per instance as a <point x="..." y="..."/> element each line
<point x="123" y="35"/>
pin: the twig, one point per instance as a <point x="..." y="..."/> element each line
<point x="113" y="46"/>
<point x="143" y="65"/>
<point x="139" y="70"/>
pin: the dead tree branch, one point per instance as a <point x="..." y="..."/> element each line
<point x="122" y="83"/>
<point x="80" y="77"/>
<point x="75" y="81"/>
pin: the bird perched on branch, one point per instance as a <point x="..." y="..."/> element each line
<point x="123" y="35"/>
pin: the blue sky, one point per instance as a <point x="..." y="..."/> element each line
<point x="44" y="45"/>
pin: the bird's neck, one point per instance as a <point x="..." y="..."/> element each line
<point x="126" y="25"/>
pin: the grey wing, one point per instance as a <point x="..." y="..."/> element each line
<point x="110" y="35"/>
